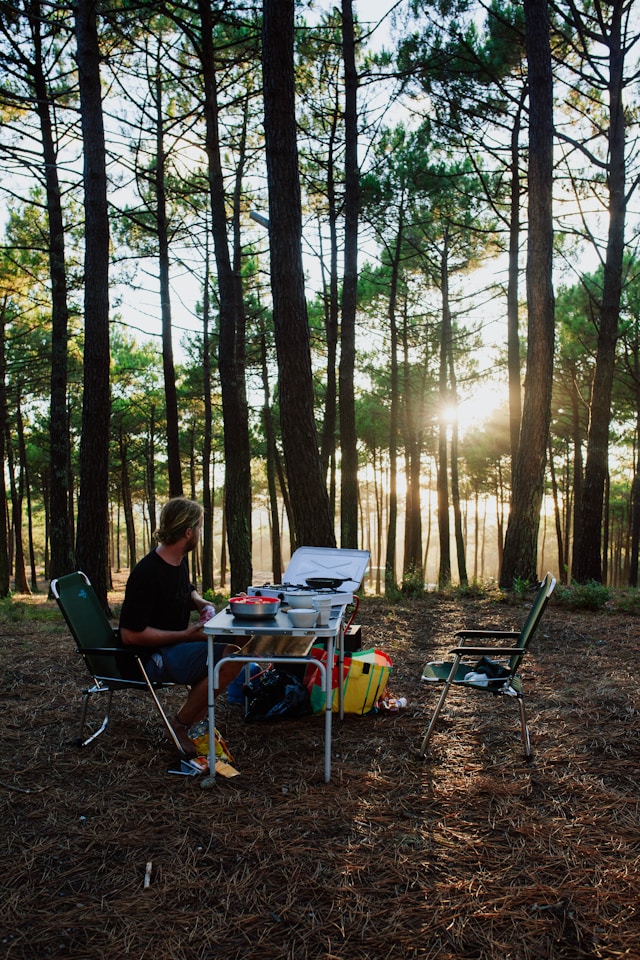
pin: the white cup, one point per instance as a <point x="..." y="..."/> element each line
<point x="323" y="606"/>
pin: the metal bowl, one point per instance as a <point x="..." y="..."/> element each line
<point x="254" y="608"/>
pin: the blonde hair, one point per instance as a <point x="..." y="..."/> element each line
<point x="178" y="515"/>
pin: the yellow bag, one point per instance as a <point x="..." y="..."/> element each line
<point x="201" y="740"/>
<point x="365" y="677"/>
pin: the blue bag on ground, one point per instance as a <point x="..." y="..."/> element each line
<point x="235" y="691"/>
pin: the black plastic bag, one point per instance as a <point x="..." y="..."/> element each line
<point x="491" y="668"/>
<point x="274" y="695"/>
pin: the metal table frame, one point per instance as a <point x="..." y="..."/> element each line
<point x="224" y="626"/>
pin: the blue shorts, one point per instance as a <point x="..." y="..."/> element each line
<point x="183" y="662"/>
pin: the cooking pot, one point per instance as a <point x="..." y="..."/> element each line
<point x="324" y="583"/>
<point x="254" y="608"/>
<point x="298" y="598"/>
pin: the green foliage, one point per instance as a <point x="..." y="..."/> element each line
<point x="413" y="583"/>
<point x="392" y="591"/>
<point x="12" y="612"/>
<point x="19" y="611"/>
<point x="214" y="597"/>
<point x="520" y="587"/>
<point x="584" y="596"/>
<point x="627" y="601"/>
<point x="474" y="590"/>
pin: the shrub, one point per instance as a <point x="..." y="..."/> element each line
<point x="584" y="596"/>
<point x="413" y="583"/>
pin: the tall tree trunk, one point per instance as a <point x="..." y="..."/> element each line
<point x="92" y="547"/>
<point x="390" y="585"/>
<point x="378" y="488"/>
<point x="348" y="440"/>
<point x="207" y="493"/>
<point x="455" y="480"/>
<point x="237" y="451"/>
<point x="521" y="542"/>
<point x="16" y="487"/>
<point x="331" y="311"/>
<point x="562" y="566"/>
<point x="513" y="301"/>
<point x="587" y="551"/>
<point x="168" y="366"/>
<point x="578" y="478"/>
<point x="127" y="505"/>
<point x="635" y="485"/>
<point x="267" y="421"/>
<point x="150" y="468"/>
<point x="61" y="545"/>
<point x="461" y="557"/>
<point x="412" y="565"/>
<point x="442" y="480"/>
<point x="26" y="486"/>
<point x="5" y="566"/>
<point x="313" y="523"/>
<point x="223" y="546"/>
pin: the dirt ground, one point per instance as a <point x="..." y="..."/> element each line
<point x="474" y="854"/>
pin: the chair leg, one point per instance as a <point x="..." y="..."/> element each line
<point x="524" y="726"/>
<point x="436" y="713"/>
<point x="165" y="719"/>
<point x="103" y="726"/>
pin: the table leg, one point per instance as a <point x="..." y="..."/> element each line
<point x="328" y="676"/>
<point x="211" y="778"/>
<point x="325" y="671"/>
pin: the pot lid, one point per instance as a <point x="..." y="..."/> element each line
<point x="329" y="562"/>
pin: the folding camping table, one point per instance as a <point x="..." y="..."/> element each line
<point x="276" y="640"/>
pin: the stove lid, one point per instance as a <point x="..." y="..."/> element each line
<point x="328" y="562"/>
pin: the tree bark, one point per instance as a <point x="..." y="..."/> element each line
<point x="231" y="347"/>
<point x="348" y="439"/>
<point x="309" y="500"/>
<point x="207" y="492"/>
<point x="61" y="556"/>
<point x="168" y="365"/>
<point x="269" y="433"/>
<point x="521" y="541"/>
<point x="390" y="585"/>
<point x="513" y="303"/>
<point x="17" y="488"/>
<point x="127" y="504"/>
<point x="442" y="478"/>
<point x="92" y="548"/>
<point x="587" y="550"/>
<point x="5" y="566"/>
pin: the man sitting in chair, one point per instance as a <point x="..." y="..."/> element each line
<point x="158" y="602"/>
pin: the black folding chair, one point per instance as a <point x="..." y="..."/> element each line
<point x="112" y="665"/>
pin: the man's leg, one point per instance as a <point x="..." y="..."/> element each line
<point x="195" y="707"/>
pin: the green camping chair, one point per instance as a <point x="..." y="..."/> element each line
<point x="496" y="670"/>
<point x="112" y="665"/>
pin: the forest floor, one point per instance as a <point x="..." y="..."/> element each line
<point x="474" y="854"/>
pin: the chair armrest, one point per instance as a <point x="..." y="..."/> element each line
<point x="486" y="651"/>
<point x="486" y="634"/>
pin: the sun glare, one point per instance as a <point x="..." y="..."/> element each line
<point x="481" y="405"/>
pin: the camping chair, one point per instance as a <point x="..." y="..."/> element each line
<point x="112" y="665"/>
<point x="489" y="675"/>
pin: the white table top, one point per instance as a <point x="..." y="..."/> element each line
<point x="280" y="625"/>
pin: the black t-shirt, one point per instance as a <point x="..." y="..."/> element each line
<point x="157" y="595"/>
